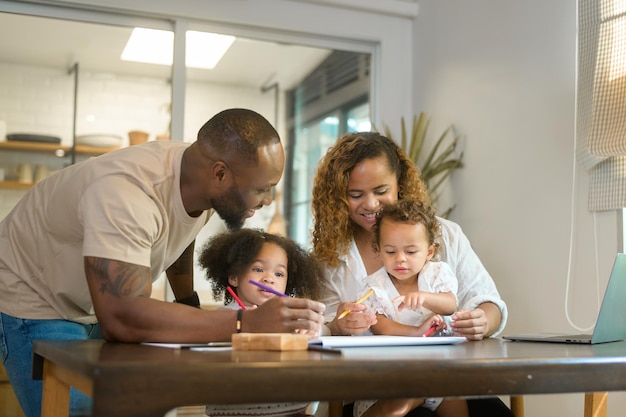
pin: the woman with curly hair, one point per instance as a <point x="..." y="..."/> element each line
<point x="358" y="175"/>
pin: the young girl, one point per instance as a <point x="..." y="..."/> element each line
<point x="411" y="288"/>
<point x="411" y="291"/>
<point x="232" y="259"/>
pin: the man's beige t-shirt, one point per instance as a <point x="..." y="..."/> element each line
<point x="125" y="205"/>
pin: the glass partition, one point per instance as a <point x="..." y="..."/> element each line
<point x="331" y="101"/>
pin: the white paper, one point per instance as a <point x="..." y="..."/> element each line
<point x="365" y="341"/>
<point x="194" y="346"/>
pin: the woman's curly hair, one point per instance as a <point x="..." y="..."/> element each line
<point x="230" y="254"/>
<point x="409" y="212"/>
<point x="332" y="228"/>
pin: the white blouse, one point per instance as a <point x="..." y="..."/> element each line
<point x="435" y="277"/>
<point x="347" y="282"/>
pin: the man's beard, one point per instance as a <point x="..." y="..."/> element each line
<point x="231" y="208"/>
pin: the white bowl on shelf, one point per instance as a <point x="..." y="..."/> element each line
<point x="101" y="140"/>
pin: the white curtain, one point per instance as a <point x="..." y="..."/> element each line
<point x="601" y="100"/>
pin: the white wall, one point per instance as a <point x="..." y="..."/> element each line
<point x="504" y="73"/>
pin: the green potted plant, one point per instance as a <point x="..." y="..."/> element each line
<point x="437" y="164"/>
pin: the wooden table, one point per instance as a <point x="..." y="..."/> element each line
<point x="137" y="380"/>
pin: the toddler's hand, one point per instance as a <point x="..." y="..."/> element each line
<point x="412" y="301"/>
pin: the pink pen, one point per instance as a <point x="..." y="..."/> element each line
<point x="430" y="331"/>
<point x="230" y="290"/>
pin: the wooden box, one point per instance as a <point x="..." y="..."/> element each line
<point x="270" y="341"/>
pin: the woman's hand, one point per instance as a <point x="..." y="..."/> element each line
<point x="478" y="323"/>
<point x="357" y="321"/>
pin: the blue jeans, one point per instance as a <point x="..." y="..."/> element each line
<point x="16" y="350"/>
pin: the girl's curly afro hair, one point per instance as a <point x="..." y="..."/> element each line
<point x="231" y="254"/>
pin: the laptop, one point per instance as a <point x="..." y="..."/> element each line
<point x="610" y="325"/>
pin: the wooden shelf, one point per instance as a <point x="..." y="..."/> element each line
<point x="94" y="150"/>
<point x="32" y="146"/>
<point x="15" y="185"/>
<point x="53" y="148"/>
<point x="47" y="148"/>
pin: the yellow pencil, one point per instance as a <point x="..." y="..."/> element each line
<point x="359" y="301"/>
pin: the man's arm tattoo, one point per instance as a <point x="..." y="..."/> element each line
<point x="116" y="278"/>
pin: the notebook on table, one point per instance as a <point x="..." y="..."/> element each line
<point x="610" y="325"/>
<point x="377" y="341"/>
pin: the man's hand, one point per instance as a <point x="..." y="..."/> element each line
<point x="285" y="315"/>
